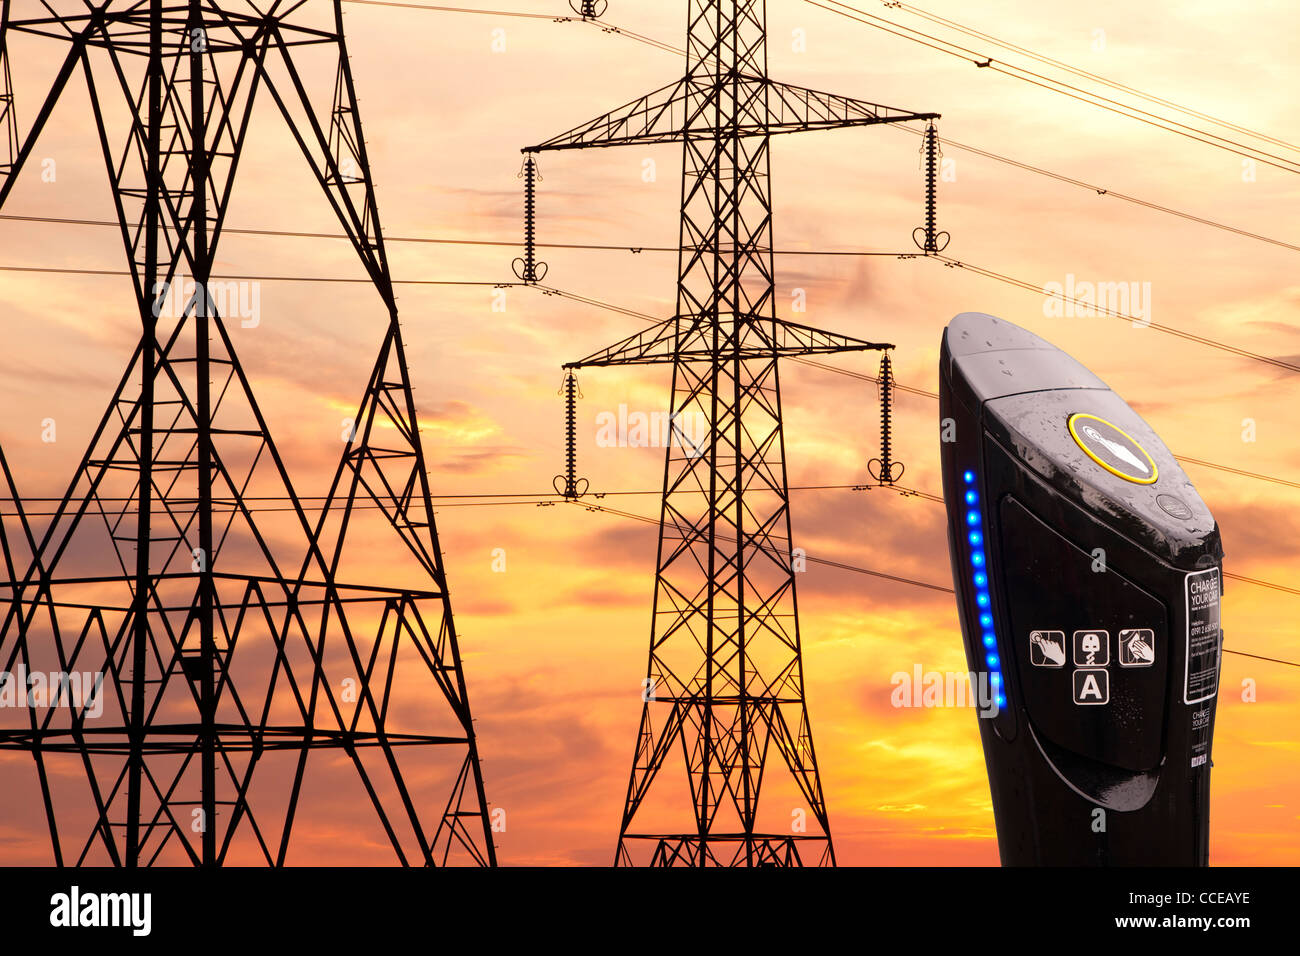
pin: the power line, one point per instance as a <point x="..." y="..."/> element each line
<point x="646" y="519"/>
<point x="636" y="249"/>
<point x="1258" y="583"/>
<point x="862" y="376"/>
<point x="230" y="508"/>
<point x="549" y="290"/>
<point x="947" y="260"/>
<point x="547" y="499"/>
<point x="1239" y="471"/>
<point x="918" y="493"/>
<point x="505" y="497"/>
<point x="937" y="43"/>
<point x="605" y="26"/>
<point x="264" y="278"/>
<point x="1058" y="86"/>
<point x="989" y="273"/>
<point x="925" y="393"/>
<point x="1104" y="191"/>
<point x="443" y="240"/>
<point x="442" y="9"/>
<point x="900" y="579"/>
<point x="970" y="31"/>
<point x="1027" y="167"/>
<point x="1260" y="657"/>
<point x="1113" y="313"/>
<point x="598" y="303"/>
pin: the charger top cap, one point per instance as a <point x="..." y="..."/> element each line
<point x="1069" y="428"/>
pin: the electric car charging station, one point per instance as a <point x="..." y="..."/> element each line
<point x="1088" y="575"/>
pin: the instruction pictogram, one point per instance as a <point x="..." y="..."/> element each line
<point x="1092" y="686"/>
<point x="1091" y="648"/>
<point x="1137" y="647"/>
<point x="1047" y="648"/>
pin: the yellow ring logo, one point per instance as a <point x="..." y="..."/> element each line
<point x="1079" y="423"/>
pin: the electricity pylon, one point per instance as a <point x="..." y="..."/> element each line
<point x="725" y="682"/>
<point x="247" y="683"/>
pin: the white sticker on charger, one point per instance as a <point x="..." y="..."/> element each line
<point x="1201" y="676"/>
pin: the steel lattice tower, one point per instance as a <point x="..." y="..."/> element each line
<point x="244" y="676"/>
<point x="725" y="684"/>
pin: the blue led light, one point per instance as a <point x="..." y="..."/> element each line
<point x="978" y="560"/>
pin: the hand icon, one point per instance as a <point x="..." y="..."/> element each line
<point x="1052" y="651"/>
<point x="1140" y="650"/>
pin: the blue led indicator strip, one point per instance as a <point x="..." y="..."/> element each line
<point x="980" y="578"/>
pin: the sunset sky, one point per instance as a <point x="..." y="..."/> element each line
<point x="555" y="647"/>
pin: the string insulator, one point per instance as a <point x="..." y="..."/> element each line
<point x="928" y="238"/>
<point x="884" y="469"/>
<point x="589" y="9"/>
<point x="569" y="485"/>
<point x="528" y="268"/>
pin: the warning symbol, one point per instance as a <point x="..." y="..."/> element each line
<point x="1091" y="648"/>
<point x="1047" y="648"/>
<point x="1092" y="686"/>
<point x="1137" y="647"/>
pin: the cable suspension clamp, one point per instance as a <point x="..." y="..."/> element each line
<point x="528" y="268"/>
<point x="927" y="238"/>
<point x="568" y="485"/>
<point x="884" y="469"/>
<point x="589" y="9"/>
